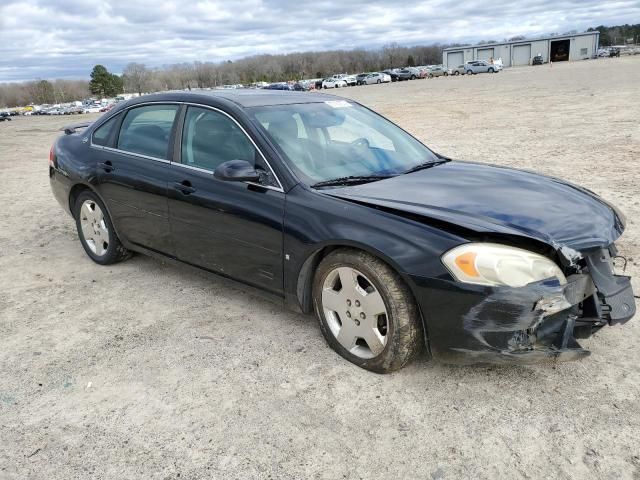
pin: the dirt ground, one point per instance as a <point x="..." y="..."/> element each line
<point x="144" y="370"/>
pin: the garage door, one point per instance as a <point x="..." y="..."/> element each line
<point x="521" y="54"/>
<point x="454" y="59"/>
<point x="485" y="53"/>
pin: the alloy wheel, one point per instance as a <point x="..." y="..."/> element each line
<point x="355" y="312"/>
<point x="94" y="228"/>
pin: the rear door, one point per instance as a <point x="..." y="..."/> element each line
<point x="133" y="169"/>
<point x="232" y="228"/>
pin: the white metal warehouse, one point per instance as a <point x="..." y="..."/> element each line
<point x="577" y="46"/>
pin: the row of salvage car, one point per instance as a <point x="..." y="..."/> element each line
<point x="407" y="73"/>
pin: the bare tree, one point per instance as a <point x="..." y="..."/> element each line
<point x="136" y="78"/>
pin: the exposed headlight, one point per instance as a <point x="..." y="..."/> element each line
<point x="495" y="264"/>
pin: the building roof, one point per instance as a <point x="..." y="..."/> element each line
<point x="525" y="40"/>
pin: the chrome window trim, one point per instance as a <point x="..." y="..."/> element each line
<point x="189" y="167"/>
<point x="125" y="110"/>
<point x="134" y="154"/>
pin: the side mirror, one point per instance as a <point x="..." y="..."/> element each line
<point x="237" y="171"/>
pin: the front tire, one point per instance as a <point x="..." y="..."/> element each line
<point x="96" y="232"/>
<point x="367" y="313"/>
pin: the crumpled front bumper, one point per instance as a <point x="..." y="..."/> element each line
<point x="532" y="324"/>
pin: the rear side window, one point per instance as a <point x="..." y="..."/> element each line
<point x="103" y="135"/>
<point x="146" y="130"/>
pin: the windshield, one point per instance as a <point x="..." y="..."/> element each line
<point x="334" y="139"/>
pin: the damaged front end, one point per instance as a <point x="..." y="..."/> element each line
<point x="538" y="322"/>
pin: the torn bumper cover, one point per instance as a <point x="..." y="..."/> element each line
<point x="531" y="324"/>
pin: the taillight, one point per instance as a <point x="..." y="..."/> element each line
<point x="52" y="156"/>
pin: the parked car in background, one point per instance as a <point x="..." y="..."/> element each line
<point x="91" y="109"/>
<point x="410" y="73"/>
<point x="302" y="86"/>
<point x="481" y="66"/>
<point x="394" y="247"/>
<point x="537" y="60"/>
<point x="277" y="86"/>
<point x="360" y="78"/>
<point x="350" y="80"/>
<point x="5" y="117"/>
<point x="334" y="82"/>
<point x="437" y="71"/>
<point x="393" y="73"/>
<point x="377" y="77"/>
<point x="458" y="70"/>
<point x="78" y="110"/>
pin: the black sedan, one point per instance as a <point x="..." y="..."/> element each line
<point x="330" y="208"/>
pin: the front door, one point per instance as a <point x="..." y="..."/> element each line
<point x="133" y="173"/>
<point x="232" y="228"/>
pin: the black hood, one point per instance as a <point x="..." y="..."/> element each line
<point x="490" y="199"/>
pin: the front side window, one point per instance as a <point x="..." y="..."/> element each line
<point x="327" y="140"/>
<point x="146" y="130"/>
<point x="210" y="138"/>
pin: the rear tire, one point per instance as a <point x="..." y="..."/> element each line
<point x="491" y="70"/>
<point x="469" y="72"/>
<point x="351" y="290"/>
<point x="96" y="232"/>
<point x="456" y="73"/>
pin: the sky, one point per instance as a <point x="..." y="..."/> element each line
<point x="47" y="39"/>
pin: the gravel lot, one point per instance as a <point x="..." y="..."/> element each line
<point x="144" y="370"/>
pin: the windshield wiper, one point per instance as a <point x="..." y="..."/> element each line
<point x="350" y="180"/>
<point x="424" y="165"/>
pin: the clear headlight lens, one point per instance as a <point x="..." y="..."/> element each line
<point x="495" y="264"/>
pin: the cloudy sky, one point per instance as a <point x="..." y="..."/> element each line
<point x="65" y="38"/>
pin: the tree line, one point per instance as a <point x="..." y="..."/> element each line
<point x="42" y="91"/>
<point x="138" y="78"/>
<point x="618" y="35"/>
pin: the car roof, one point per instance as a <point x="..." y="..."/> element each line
<point x="243" y="98"/>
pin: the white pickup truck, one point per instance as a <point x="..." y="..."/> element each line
<point x="350" y="80"/>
